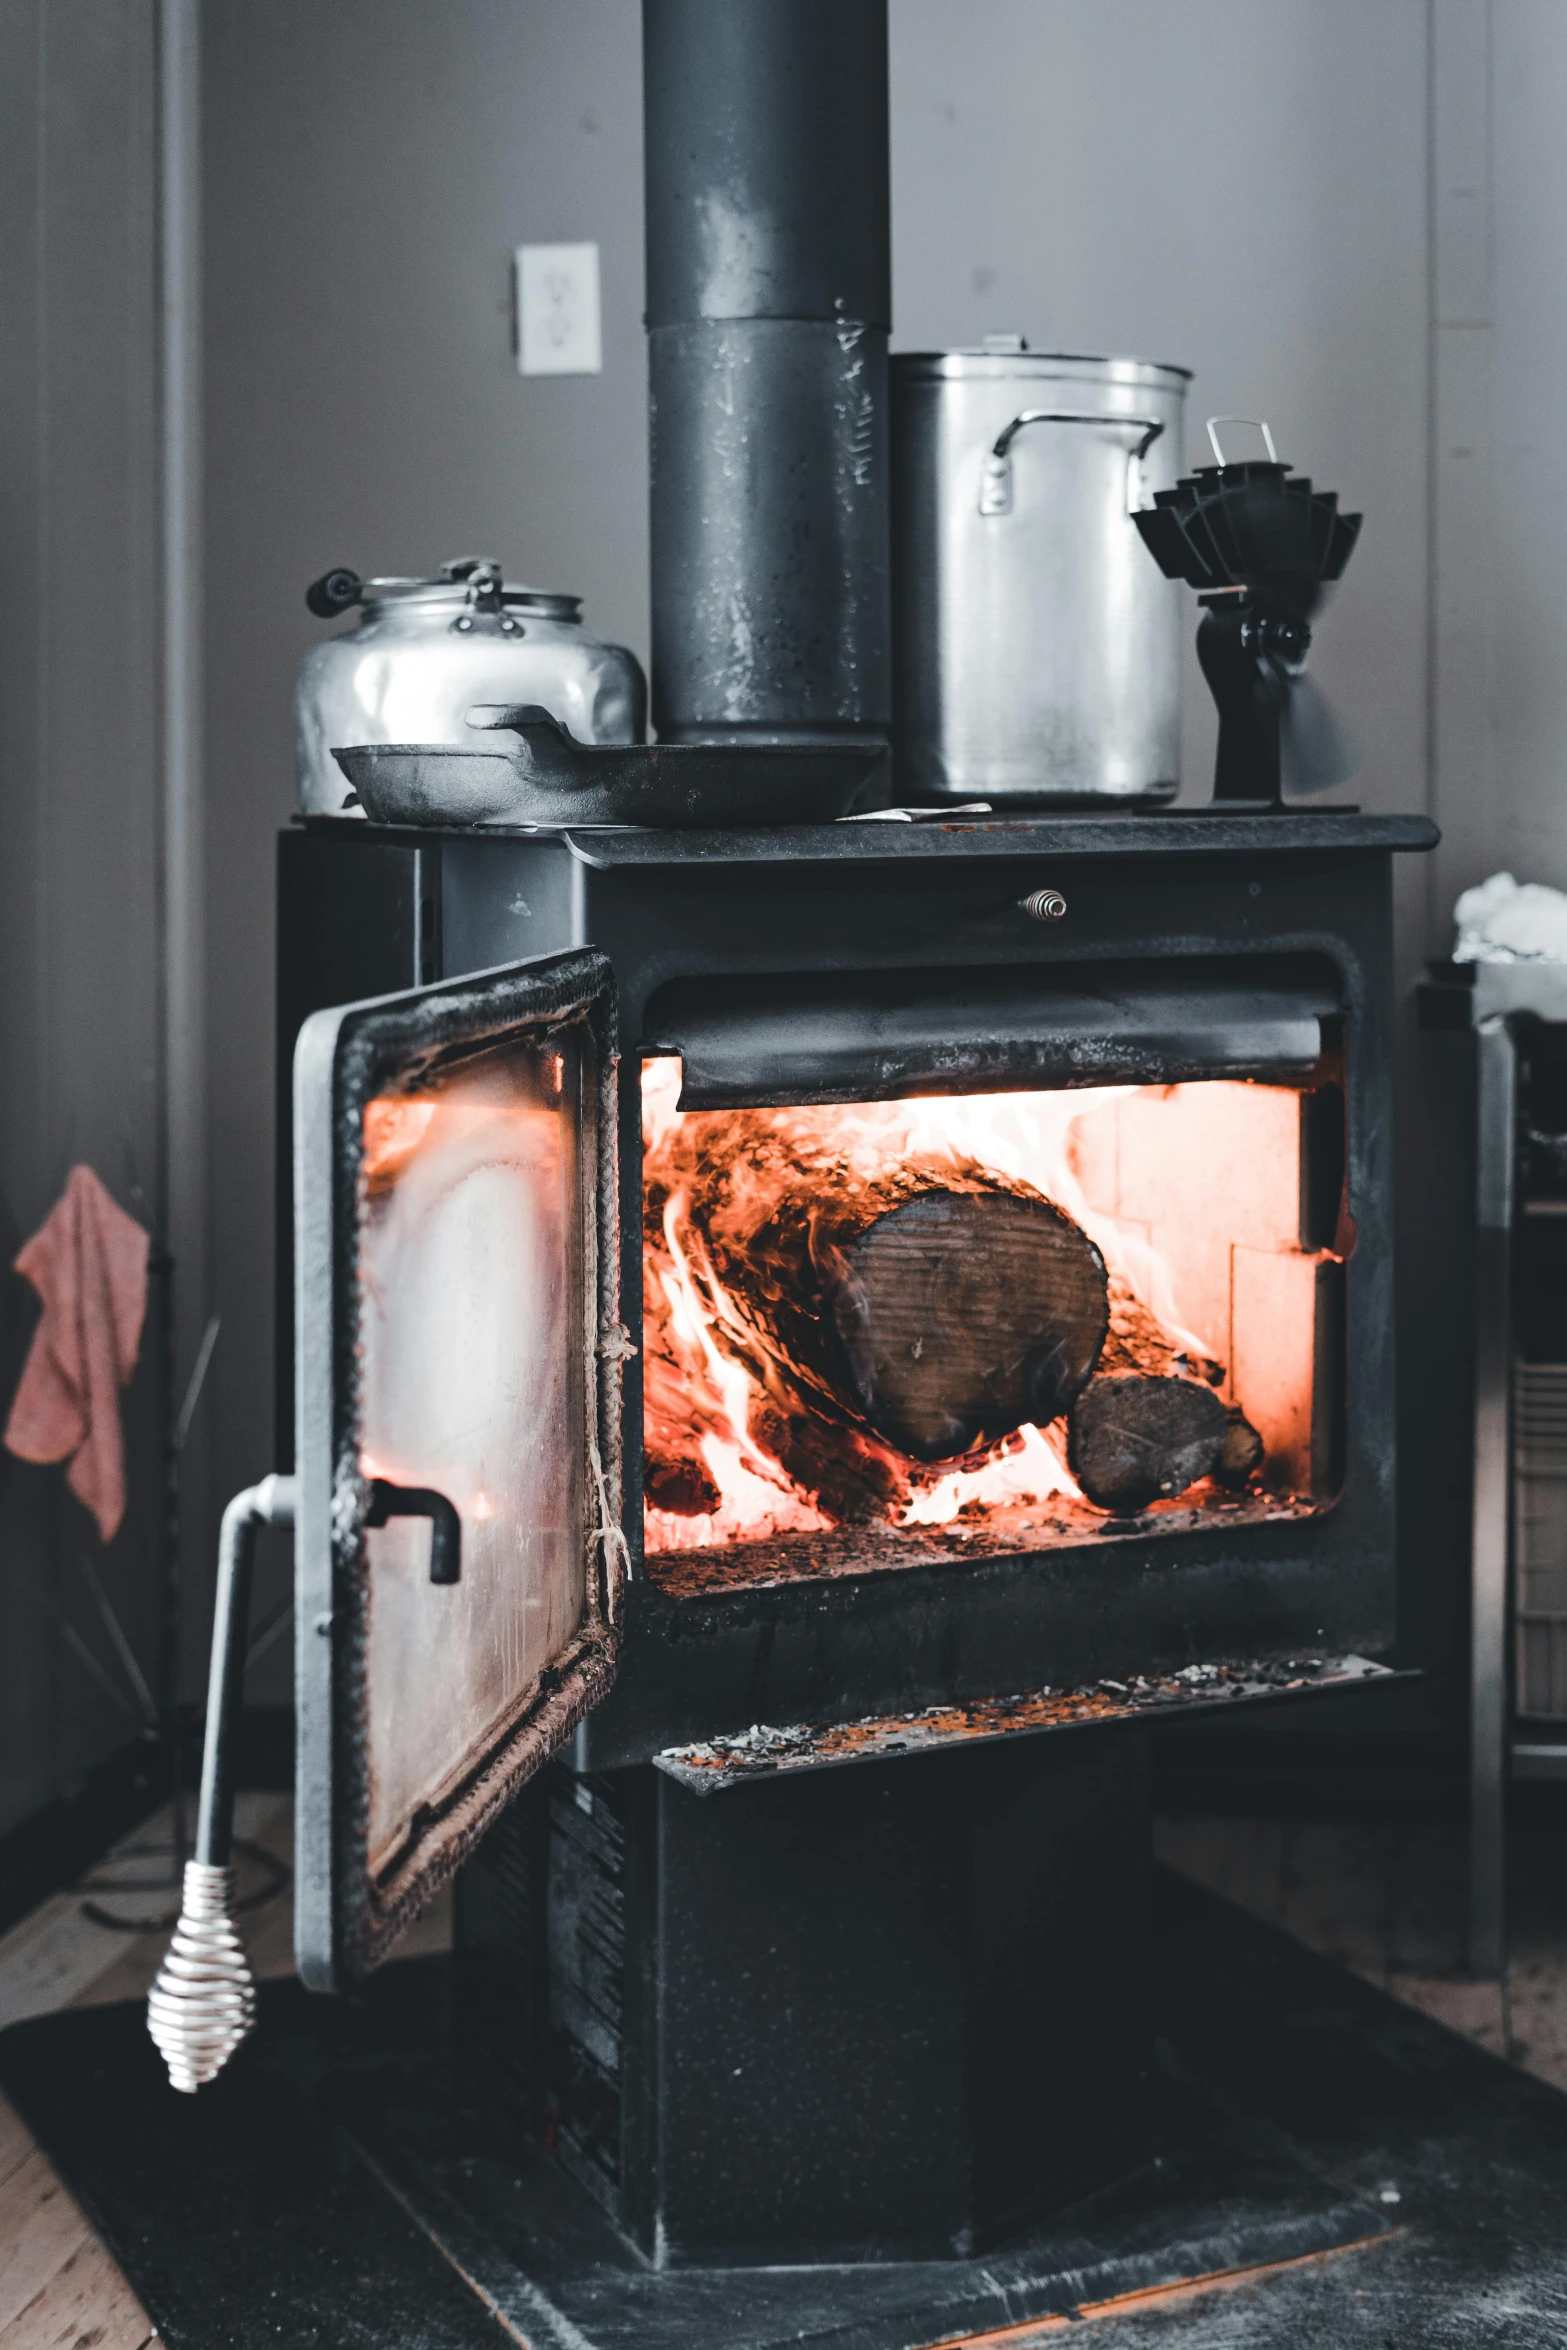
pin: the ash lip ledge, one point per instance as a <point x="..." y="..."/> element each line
<point x="709" y="1766"/>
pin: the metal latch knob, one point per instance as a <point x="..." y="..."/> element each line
<point x="1046" y="905"/>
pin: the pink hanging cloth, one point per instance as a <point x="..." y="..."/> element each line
<point x="88" y="1263"/>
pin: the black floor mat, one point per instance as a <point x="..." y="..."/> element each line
<point x="1387" y="2184"/>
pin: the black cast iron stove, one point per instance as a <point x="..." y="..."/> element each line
<point x="895" y="1308"/>
<point x="839" y="1882"/>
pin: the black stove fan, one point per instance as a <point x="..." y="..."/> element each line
<point x="1261" y="546"/>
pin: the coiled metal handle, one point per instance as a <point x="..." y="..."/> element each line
<point x="1046" y="905"/>
<point x="204" y="1999"/>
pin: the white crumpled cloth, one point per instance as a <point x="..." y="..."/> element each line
<point x="1508" y="921"/>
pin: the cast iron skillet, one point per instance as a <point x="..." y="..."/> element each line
<point x="545" y="776"/>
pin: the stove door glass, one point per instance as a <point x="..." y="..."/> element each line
<point x="458" y="1547"/>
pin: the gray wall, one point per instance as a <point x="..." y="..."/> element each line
<point x="79" y="800"/>
<point x="1237" y="187"/>
<point x="1519" y="815"/>
<point x="370" y="167"/>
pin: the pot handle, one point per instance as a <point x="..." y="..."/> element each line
<point x="334" y="592"/>
<point x="995" y="487"/>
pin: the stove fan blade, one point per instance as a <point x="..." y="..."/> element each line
<point x="1316" y="749"/>
<point x="1261" y="547"/>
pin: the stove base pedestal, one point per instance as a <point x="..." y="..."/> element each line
<point x="888" y="2012"/>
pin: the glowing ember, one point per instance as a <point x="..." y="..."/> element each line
<point x="1027" y="1467"/>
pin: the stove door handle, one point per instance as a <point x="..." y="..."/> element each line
<point x="422" y="1501"/>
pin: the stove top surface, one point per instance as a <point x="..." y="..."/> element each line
<point x="1097" y="833"/>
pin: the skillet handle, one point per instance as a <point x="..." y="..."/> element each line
<point x="515" y="718"/>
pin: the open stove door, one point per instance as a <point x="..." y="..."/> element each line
<point x="458" y="1549"/>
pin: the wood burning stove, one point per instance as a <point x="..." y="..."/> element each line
<point x="572" y="1091"/>
<point x="810" y="1338"/>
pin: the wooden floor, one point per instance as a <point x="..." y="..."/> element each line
<point x="59" y="2289"/>
<point x="1386" y="1902"/>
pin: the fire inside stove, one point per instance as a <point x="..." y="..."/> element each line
<point x="888" y="1332"/>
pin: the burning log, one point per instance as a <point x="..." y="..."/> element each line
<point x="961" y="1314"/>
<point x="1132" y="1439"/>
<point x="934" y="1304"/>
<point x="1241" y="1454"/>
<point x="1149" y="1424"/>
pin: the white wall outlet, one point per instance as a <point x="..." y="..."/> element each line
<point x="558" y="310"/>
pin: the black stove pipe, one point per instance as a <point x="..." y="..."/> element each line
<point x="769" y="299"/>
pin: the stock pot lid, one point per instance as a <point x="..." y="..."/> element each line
<point x="1007" y="357"/>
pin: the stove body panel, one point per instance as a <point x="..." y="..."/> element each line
<point x="805" y="910"/>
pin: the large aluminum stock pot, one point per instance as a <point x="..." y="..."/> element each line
<point x="1037" y="647"/>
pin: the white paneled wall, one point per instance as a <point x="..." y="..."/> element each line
<point x="1236" y="185"/>
<point x="1522" y="819"/>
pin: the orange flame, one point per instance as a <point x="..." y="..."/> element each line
<point x="706" y="1394"/>
<point x="753" y="1493"/>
